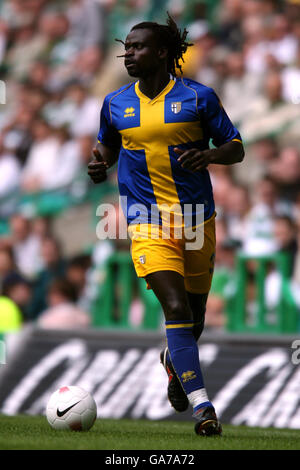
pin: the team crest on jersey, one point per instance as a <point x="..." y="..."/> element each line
<point x="176" y="107"/>
<point x="143" y="259"/>
<point x="129" y="112"/>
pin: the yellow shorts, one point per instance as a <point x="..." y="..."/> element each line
<point x="150" y="255"/>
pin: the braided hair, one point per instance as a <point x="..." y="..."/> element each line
<point x="172" y="38"/>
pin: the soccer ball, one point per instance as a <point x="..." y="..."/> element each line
<point x="71" y="408"/>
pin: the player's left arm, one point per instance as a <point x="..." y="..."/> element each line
<point x="229" y="147"/>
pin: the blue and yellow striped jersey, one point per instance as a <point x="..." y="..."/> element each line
<point x="186" y="114"/>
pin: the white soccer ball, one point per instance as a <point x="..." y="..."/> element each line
<point x="72" y="408"/>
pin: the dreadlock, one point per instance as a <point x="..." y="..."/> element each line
<point x="172" y="38"/>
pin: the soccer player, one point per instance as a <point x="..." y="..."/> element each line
<point x="159" y="128"/>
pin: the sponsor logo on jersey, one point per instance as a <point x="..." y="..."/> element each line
<point x="129" y="112"/>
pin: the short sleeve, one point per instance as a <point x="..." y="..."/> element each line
<point x="108" y="134"/>
<point x="219" y="127"/>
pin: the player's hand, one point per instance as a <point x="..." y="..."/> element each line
<point x="193" y="159"/>
<point x="97" y="168"/>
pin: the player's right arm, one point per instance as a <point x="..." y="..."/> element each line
<point x="106" y="152"/>
<point x="104" y="158"/>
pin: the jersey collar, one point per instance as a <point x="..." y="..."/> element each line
<point x="163" y="93"/>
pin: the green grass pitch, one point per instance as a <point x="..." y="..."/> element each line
<point x="34" y="433"/>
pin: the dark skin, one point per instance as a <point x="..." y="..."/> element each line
<point x="145" y="59"/>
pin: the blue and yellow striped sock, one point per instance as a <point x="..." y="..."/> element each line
<point x="184" y="356"/>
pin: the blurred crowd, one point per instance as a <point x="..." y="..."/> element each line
<point x="58" y="59"/>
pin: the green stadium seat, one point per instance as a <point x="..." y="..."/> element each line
<point x="284" y="318"/>
<point x="111" y="308"/>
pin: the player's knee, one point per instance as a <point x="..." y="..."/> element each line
<point x="177" y="310"/>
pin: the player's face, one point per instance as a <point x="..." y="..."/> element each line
<point x="142" y="56"/>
